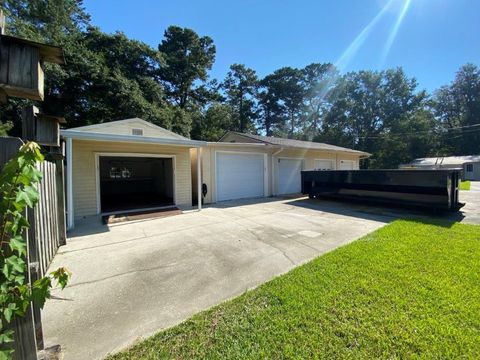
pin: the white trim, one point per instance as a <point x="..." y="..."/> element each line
<point x="82" y="135"/>
<point x="70" y="215"/>
<point x="332" y="161"/>
<point x="265" y="168"/>
<point x="290" y="158"/>
<point x="265" y="175"/>
<point x="97" y="184"/>
<point x="231" y="144"/>
<point x="115" y="154"/>
<point x="199" y="178"/>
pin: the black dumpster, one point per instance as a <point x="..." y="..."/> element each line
<point x="434" y="189"/>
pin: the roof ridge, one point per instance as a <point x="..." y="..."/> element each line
<point x="281" y="141"/>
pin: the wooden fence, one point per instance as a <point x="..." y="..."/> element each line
<point x="48" y="217"/>
<point x="46" y="234"/>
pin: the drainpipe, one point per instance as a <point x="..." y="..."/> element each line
<point x="273" y="168"/>
<point x="199" y="177"/>
<point x="70" y="217"/>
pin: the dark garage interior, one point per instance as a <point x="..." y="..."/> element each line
<point x="131" y="183"/>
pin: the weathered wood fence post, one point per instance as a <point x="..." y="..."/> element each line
<point x="46" y="234"/>
<point x="25" y="342"/>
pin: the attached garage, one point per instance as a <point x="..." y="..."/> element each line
<point x="239" y="175"/>
<point x="241" y="166"/>
<point x="289" y="176"/>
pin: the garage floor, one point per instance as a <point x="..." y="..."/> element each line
<point x="133" y="279"/>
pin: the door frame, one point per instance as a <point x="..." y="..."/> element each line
<point x="277" y="170"/>
<point x="140" y="155"/>
<point x="265" y="170"/>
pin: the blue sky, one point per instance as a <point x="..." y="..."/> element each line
<point x="434" y="38"/>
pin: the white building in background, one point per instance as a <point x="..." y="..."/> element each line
<point x="470" y="165"/>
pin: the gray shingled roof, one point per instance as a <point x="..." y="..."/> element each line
<point x="446" y="160"/>
<point x="271" y="140"/>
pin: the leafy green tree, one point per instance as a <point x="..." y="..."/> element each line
<point x="270" y="112"/>
<point x="56" y="22"/>
<point x="187" y="59"/>
<point x="287" y="85"/>
<point x="368" y="111"/>
<point x="318" y="82"/>
<point x="110" y="77"/>
<point x="52" y="21"/>
<point x="240" y="88"/>
<point x="216" y="120"/>
<point x="107" y="77"/>
<point x="458" y="109"/>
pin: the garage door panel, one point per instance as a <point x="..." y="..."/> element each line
<point x="239" y="176"/>
<point x="346" y="165"/>
<point x="323" y="164"/>
<point x="289" y="176"/>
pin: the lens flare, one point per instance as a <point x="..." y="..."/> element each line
<point x="352" y="49"/>
<point x="394" y="31"/>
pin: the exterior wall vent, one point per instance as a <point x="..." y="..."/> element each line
<point x="138" y="132"/>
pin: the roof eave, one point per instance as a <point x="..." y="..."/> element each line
<point x="81" y="135"/>
<point x="219" y="143"/>
<point x="347" y="151"/>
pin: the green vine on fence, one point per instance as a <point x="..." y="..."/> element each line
<point x="17" y="193"/>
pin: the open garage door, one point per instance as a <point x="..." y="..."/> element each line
<point x="239" y="176"/>
<point x="289" y="176"/>
<point x="131" y="183"/>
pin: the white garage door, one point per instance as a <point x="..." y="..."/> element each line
<point x="323" y="165"/>
<point x="239" y="176"/>
<point x="289" y="176"/>
<point x="346" y="165"/>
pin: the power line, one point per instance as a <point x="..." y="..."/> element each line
<point x="379" y="136"/>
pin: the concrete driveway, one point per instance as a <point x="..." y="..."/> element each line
<point x="131" y="280"/>
<point x="471" y="198"/>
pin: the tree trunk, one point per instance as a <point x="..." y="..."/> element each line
<point x="268" y="124"/>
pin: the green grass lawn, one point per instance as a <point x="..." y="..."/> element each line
<point x="408" y="290"/>
<point x="465" y="185"/>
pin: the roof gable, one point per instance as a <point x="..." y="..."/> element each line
<point x="126" y="127"/>
<point x="233" y="137"/>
